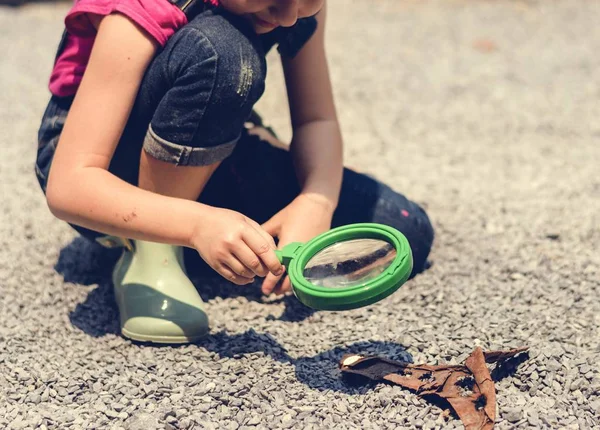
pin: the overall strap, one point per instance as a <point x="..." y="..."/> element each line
<point x="190" y="7"/>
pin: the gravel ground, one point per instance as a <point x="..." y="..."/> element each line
<point x="485" y="112"/>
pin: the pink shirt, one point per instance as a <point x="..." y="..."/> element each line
<point x="158" y="17"/>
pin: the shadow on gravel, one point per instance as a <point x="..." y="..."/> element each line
<point x="509" y="367"/>
<point x="88" y="263"/>
<point x="321" y="371"/>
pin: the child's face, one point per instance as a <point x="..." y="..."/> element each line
<point x="266" y="15"/>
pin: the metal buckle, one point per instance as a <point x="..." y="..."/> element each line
<point x="183" y="4"/>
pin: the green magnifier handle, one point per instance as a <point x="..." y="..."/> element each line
<point x="288" y="252"/>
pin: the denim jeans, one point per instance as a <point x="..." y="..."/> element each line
<point x="193" y="103"/>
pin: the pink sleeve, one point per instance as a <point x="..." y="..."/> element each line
<point x="158" y="17"/>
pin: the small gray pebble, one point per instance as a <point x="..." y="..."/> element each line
<point x="429" y="425"/>
<point x="553" y="365"/>
<point x="254" y="420"/>
<point x="203" y="407"/>
<point x="513" y="415"/>
<point x="111" y="414"/>
<point x="287" y="421"/>
<point x="534" y="421"/>
<point x="35" y="398"/>
<point x="142" y="421"/>
<point x="19" y="424"/>
<point x="117" y="406"/>
<point x="232" y="425"/>
<point x="418" y="423"/>
<point x="577" y="384"/>
<point x="100" y="406"/>
<point x="595" y="405"/>
<point x="556" y="386"/>
<point x="176" y="397"/>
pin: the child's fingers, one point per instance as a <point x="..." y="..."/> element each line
<point x="263" y="249"/>
<point x="250" y="260"/>
<point x="230" y="275"/>
<point x="238" y="267"/>
<point x="284" y="286"/>
<point x="263" y="232"/>
<point x="270" y="283"/>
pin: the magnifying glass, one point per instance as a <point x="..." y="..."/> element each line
<point x="348" y="267"/>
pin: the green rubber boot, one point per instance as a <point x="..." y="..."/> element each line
<point x="157" y="301"/>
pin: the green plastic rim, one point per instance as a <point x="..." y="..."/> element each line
<point x="295" y="256"/>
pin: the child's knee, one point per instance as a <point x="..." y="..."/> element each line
<point x="411" y="219"/>
<point x="236" y="55"/>
<point x="421" y="237"/>
<point x="216" y="75"/>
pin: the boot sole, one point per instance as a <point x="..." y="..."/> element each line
<point x="161" y="339"/>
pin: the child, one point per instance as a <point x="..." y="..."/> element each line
<point x="144" y="145"/>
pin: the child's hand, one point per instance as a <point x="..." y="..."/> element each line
<point x="306" y="217"/>
<point x="236" y="246"/>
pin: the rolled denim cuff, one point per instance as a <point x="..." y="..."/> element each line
<point x="183" y="155"/>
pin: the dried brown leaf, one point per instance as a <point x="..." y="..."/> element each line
<point x="468" y="388"/>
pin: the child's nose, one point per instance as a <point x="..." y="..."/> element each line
<point x="286" y="12"/>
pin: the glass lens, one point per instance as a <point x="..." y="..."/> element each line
<point x="349" y="263"/>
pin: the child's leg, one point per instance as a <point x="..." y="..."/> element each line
<point x="161" y="177"/>
<point x="188" y="117"/>
<point x="364" y="199"/>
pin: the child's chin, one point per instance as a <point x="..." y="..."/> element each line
<point x="262" y="30"/>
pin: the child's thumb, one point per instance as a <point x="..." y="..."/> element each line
<point x="272" y="226"/>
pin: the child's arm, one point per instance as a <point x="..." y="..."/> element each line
<point x="81" y="190"/>
<point x="317" y="143"/>
<point x="316" y="149"/>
